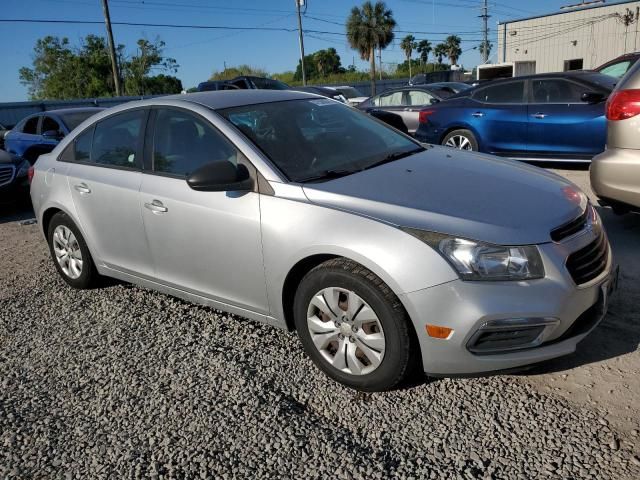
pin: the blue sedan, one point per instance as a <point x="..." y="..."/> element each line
<point x="559" y="116"/>
<point x="41" y="132"/>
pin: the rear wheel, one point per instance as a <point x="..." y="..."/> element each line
<point x="461" y="139"/>
<point x="353" y="326"/>
<point x="70" y="252"/>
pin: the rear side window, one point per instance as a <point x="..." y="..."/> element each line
<point x="419" y="97"/>
<point x="50" y="125"/>
<point x="116" y="139"/>
<point x="512" y="92"/>
<point x="183" y="142"/>
<point x="79" y="150"/>
<point x="556" y="91"/>
<point x="31" y="126"/>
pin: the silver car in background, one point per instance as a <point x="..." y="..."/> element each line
<point x="386" y="256"/>
<point x="615" y="173"/>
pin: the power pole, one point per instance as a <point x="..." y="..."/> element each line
<point x="112" y="48"/>
<point x="635" y="41"/>
<point x="304" y="76"/>
<point x="380" y="61"/>
<point x="485" y="32"/>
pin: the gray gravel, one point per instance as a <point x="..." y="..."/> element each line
<point x="124" y="382"/>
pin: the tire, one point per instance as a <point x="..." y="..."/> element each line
<point x="459" y="138"/>
<point x="83" y="275"/>
<point x="343" y="283"/>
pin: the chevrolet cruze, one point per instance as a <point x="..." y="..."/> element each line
<point x="385" y="255"/>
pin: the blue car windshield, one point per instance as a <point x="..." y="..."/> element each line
<point x="73" y="119"/>
<point x="318" y="138"/>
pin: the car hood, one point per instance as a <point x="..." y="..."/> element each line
<point x="9" y="158"/>
<point x="470" y="195"/>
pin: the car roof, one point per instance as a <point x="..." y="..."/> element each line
<point x="62" y="111"/>
<point x="238" y="98"/>
<point x="571" y="73"/>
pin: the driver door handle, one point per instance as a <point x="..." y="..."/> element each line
<point x="82" y="188"/>
<point x="477" y="114"/>
<point x="156" y="206"/>
<point x="539" y="115"/>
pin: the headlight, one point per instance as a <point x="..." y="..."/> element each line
<point x="23" y="169"/>
<point x="482" y="261"/>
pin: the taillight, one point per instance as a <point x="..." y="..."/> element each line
<point x="30" y="173"/>
<point x="623" y="104"/>
<point x="423" y="117"/>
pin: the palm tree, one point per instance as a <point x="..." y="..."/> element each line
<point x="424" y="48"/>
<point x="485" y="50"/>
<point x="370" y="27"/>
<point x="452" y="48"/>
<point x="440" y="51"/>
<point x="407" y="45"/>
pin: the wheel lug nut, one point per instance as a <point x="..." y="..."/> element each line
<point x="352" y="339"/>
<point x="337" y="324"/>
<point x="354" y="328"/>
<point x="341" y="336"/>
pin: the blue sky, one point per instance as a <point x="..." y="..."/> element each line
<point x="200" y="52"/>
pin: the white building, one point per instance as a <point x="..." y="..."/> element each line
<point x="577" y="37"/>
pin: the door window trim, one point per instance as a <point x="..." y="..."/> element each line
<point x="139" y="148"/>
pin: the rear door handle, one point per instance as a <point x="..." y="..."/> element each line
<point x="156" y="206"/>
<point x="539" y="115"/>
<point x="82" y="188"/>
<point x="408" y="109"/>
<point x="477" y="114"/>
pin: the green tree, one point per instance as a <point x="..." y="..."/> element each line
<point x="161" y="84"/>
<point x="319" y="64"/>
<point x="452" y="48"/>
<point x="424" y="48"/>
<point x="440" y="51"/>
<point x="59" y="71"/>
<point x="368" y="28"/>
<point x="408" y="45"/>
<point x="233" y="72"/>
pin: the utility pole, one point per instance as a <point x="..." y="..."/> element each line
<point x="380" y="61"/>
<point x="304" y="75"/>
<point x="112" y="48"/>
<point x="485" y="32"/>
<point x="635" y="41"/>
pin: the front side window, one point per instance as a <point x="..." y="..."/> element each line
<point x="512" y="92"/>
<point x="393" y="99"/>
<point x="50" y="125"/>
<point x="116" y="139"/>
<point x="419" y="97"/>
<point x="31" y="126"/>
<point x="556" y="91"/>
<point x="183" y="142"/>
<point x="312" y="139"/>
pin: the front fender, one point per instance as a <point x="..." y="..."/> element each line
<point x="294" y="230"/>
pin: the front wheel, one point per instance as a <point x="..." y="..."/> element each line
<point x="461" y="139"/>
<point x="353" y="326"/>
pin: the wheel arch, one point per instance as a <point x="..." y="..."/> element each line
<point x="461" y="126"/>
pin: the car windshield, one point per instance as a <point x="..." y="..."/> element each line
<point x="316" y="139"/>
<point x="603" y="80"/>
<point x="73" y="119"/>
<point x="349" y="92"/>
<point x="269" y="84"/>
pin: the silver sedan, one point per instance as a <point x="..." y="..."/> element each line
<point x="386" y="256"/>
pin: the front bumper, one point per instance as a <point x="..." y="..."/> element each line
<point x="17" y="189"/>
<point x="467" y="306"/>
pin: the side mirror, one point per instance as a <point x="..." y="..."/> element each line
<point x="221" y="176"/>
<point x="52" y="135"/>
<point x="592" y="97"/>
<point x="433" y="101"/>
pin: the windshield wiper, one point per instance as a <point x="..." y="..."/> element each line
<point x="327" y="175"/>
<point x="392" y="157"/>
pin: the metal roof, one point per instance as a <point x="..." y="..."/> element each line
<point x="586" y="7"/>
<point x="237" y="98"/>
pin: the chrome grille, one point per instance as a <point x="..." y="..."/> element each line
<point x="570" y="228"/>
<point x="587" y="263"/>
<point x="6" y="174"/>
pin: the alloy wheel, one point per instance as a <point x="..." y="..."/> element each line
<point x="67" y="251"/>
<point x="346" y="331"/>
<point x="460" y="142"/>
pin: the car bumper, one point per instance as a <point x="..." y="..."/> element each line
<point x="466" y="307"/>
<point x="17" y="189"/>
<point x="615" y="177"/>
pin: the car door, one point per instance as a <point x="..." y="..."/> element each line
<point x="104" y="181"/>
<point x="208" y="243"/>
<point x="560" y="123"/>
<point x="393" y="103"/>
<point x="51" y="132"/>
<point x="24" y="136"/>
<point x="414" y="101"/>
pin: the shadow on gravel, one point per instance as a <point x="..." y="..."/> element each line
<point x="16" y="211"/>
<point x="619" y="332"/>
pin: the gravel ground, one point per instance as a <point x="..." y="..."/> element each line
<point x="125" y="382"/>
